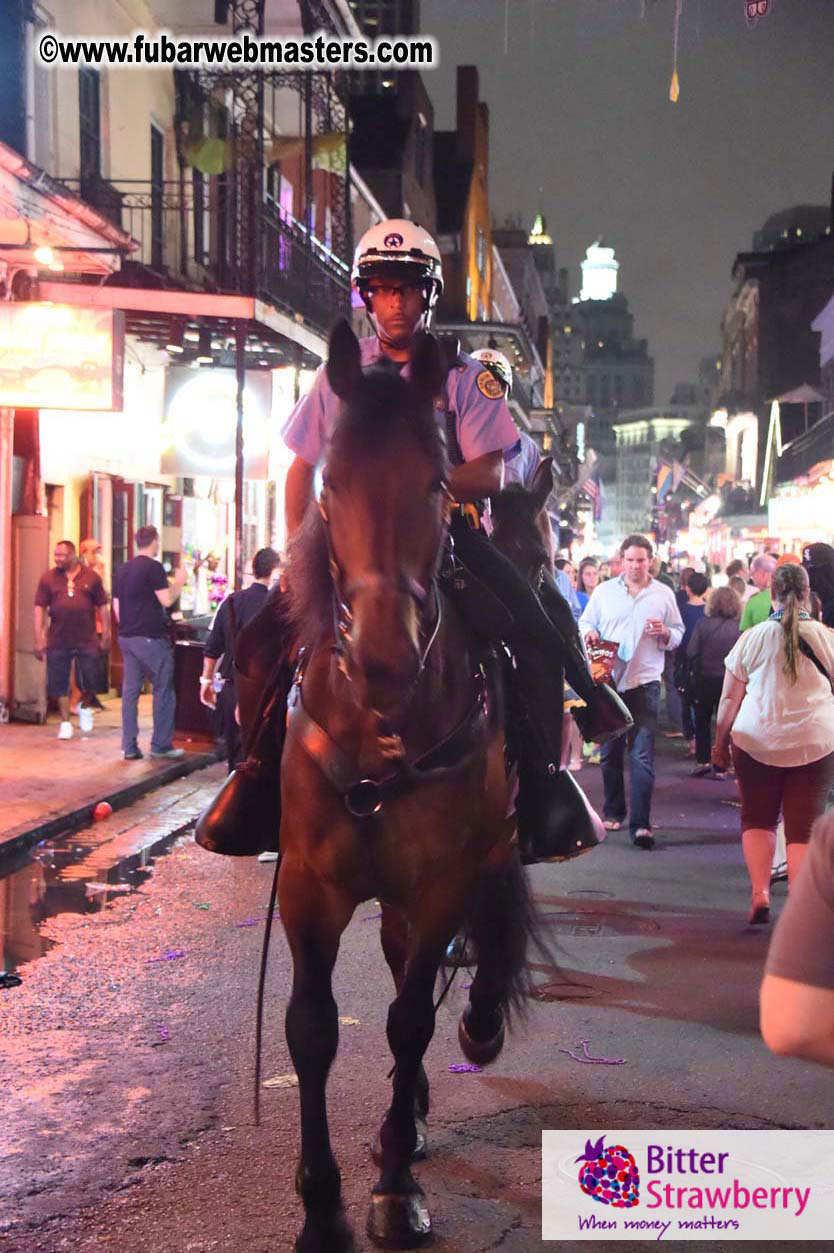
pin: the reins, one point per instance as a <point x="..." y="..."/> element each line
<point x="259" y="1017"/>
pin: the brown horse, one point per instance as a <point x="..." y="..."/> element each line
<point x="518" y="530"/>
<point x="393" y="780"/>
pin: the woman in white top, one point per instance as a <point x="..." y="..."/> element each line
<point x="777" y="700"/>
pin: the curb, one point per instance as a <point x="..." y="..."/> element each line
<point x="61" y="824"/>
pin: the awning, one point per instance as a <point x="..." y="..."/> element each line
<point x="38" y="212"/>
<point x="803" y="395"/>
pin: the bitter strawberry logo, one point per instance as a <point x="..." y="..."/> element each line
<point x="609" y="1175"/>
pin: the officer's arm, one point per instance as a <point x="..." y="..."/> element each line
<point x="475" y="480"/>
<point x="298" y="493"/>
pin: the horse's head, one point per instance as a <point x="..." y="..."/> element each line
<point x="385" y="506"/>
<point x="515" y="516"/>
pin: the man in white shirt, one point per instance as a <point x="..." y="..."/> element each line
<point x="642" y="616"/>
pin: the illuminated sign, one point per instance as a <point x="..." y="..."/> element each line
<point x="60" y="357"/>
<point x="200" y="421"/>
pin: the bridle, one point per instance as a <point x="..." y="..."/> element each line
<point x="364" y="797"/>
<point x="425" y="598"/>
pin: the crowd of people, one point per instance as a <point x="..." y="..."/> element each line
<point x="746" y="656"/>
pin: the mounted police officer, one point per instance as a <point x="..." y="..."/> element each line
<point x="398" y="274"/>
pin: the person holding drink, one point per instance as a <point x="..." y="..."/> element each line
<point x="641" y="617"/>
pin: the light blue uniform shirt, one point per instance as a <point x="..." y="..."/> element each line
<point x="617" y="615"/>
<point x="482" y="419"/>
<point x="522" y="462"/>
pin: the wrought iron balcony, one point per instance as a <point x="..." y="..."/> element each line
<point x="185" y="230"/>
<point x="297" y="272"/>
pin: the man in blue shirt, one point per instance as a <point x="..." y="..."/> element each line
<point x="641" y="615"/>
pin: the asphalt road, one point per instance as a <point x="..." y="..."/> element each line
<point x="127" y="1110"/>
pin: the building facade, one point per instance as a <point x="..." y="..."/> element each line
<point x="464" y="230"/>
<point x="644" y="437"/>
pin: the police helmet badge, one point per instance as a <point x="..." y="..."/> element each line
<point x="489" y="386"/>
<point x="393" y="240"/>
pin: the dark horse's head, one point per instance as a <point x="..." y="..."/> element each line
<point x="382" y="518"/>
<point x="516" y="528"/>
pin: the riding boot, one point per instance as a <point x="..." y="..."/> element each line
<point x="555" y="822"/>
<point x="245" y="816"/>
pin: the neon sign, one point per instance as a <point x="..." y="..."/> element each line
<point x="60" y="357"/>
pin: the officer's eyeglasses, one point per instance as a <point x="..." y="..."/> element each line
<point x="390" y="292"/>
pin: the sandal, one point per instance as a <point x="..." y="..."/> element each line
<point x="612" y="824"/>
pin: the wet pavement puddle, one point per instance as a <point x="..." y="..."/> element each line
<point x="76" y="873"/>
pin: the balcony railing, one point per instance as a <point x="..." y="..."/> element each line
<point x="297" y="272"/>
<point x="185" y="232"/>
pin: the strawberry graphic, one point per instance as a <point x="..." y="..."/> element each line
<point x="609" y="1175"/>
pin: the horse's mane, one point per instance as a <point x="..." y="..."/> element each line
<point x="309" y="603"/>
<point x="384" y="408"/>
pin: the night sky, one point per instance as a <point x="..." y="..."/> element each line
<point x="581" y="125"/>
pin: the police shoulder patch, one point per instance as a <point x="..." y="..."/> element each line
<point x="489" y="386"/>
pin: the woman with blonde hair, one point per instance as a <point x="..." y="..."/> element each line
<point x="778" y="702"/>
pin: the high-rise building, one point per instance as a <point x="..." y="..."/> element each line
<point x="392" y="138"/>
<point x="383" y="17"/>
<point x="544" y="253"/>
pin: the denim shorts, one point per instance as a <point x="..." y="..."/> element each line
<point x="59" y="665"/>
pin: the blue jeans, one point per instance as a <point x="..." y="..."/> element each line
<point x="644" y="703"/>
<point x="152" y="659"/>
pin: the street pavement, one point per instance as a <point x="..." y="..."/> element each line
<point x="48" y="784"/>
<point x="126" y="1055"/>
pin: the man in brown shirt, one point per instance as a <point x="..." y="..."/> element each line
<point x="70" y="594"/>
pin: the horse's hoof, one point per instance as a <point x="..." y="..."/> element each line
<point x="398" y="1220"/>
<point x="334" y="1236"/>
<point x="420" y="1153"/>
<point x="481" y="1052"/>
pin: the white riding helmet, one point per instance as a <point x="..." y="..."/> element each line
<point x="398" y="248"/>
<point x="497" y="364"/>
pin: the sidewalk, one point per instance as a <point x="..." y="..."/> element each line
<point x="50" y="785"/>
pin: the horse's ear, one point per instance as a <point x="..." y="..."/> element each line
<point x="427" y="373"/>
<point x="542" y="484"/>
<point x="344" y="360"/>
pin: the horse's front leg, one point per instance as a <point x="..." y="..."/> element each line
<point x="314" y="917"/>
<point x="394" y="938"/>
<point x="398" y="1216"/>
